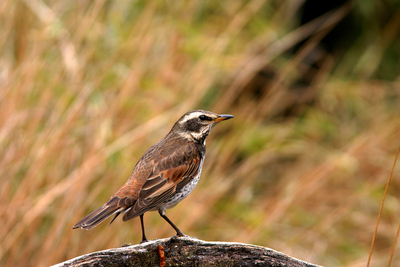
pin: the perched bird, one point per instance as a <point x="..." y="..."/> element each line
<point x="164" y="175"/>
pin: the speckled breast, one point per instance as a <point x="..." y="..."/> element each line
<point x="184" y="192"/>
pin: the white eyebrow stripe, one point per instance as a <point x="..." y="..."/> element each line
<point x="191" y="116"/>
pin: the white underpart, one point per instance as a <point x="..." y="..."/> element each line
<point x="199" y="135"/>
<point x="183" y="193"/>
<point x="192" y="135"/>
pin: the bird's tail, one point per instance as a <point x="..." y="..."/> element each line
<point x="97" y="216"/>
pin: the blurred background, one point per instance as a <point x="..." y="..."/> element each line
<point x="86" y="87"/>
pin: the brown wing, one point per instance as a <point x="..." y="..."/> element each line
<point x="170" y="173"/>
<point x="155" y="178"/>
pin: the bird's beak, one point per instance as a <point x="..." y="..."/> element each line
<point x="223" y="117"/>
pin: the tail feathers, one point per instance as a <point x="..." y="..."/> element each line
<point x="97" y="216"/>
<point x="115" y="217"/>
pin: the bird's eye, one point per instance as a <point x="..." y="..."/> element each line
<point x="204" y="118"/>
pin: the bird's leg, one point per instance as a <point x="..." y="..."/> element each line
<point x="162" y="214"/>
<point x="144" y="239"/>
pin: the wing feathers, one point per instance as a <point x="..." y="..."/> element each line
<point x="153" y="182"/>
<point x="169" y="175"/>
<point x="143" y="205"/>
<point x="156" y="190"/>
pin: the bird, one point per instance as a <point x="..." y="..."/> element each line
<point x="165" y="174"/>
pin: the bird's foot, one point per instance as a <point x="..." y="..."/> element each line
<point x="182" y="235"/>
<point x="179" y="234"/>
<point x="175" y="238"/>
<point x="144" y="241"/>
<point x="126" y="245"/>
<point x="188" y="236"/>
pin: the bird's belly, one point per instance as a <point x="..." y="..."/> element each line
<point x="183" y="193"/>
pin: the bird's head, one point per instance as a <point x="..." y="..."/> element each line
<point x="196" y="124"/>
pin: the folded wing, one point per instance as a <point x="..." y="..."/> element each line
<point x="149" y="186"/>
<point x="169" y="175"/>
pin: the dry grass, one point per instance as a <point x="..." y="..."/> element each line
<point x="87" y="86"/>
